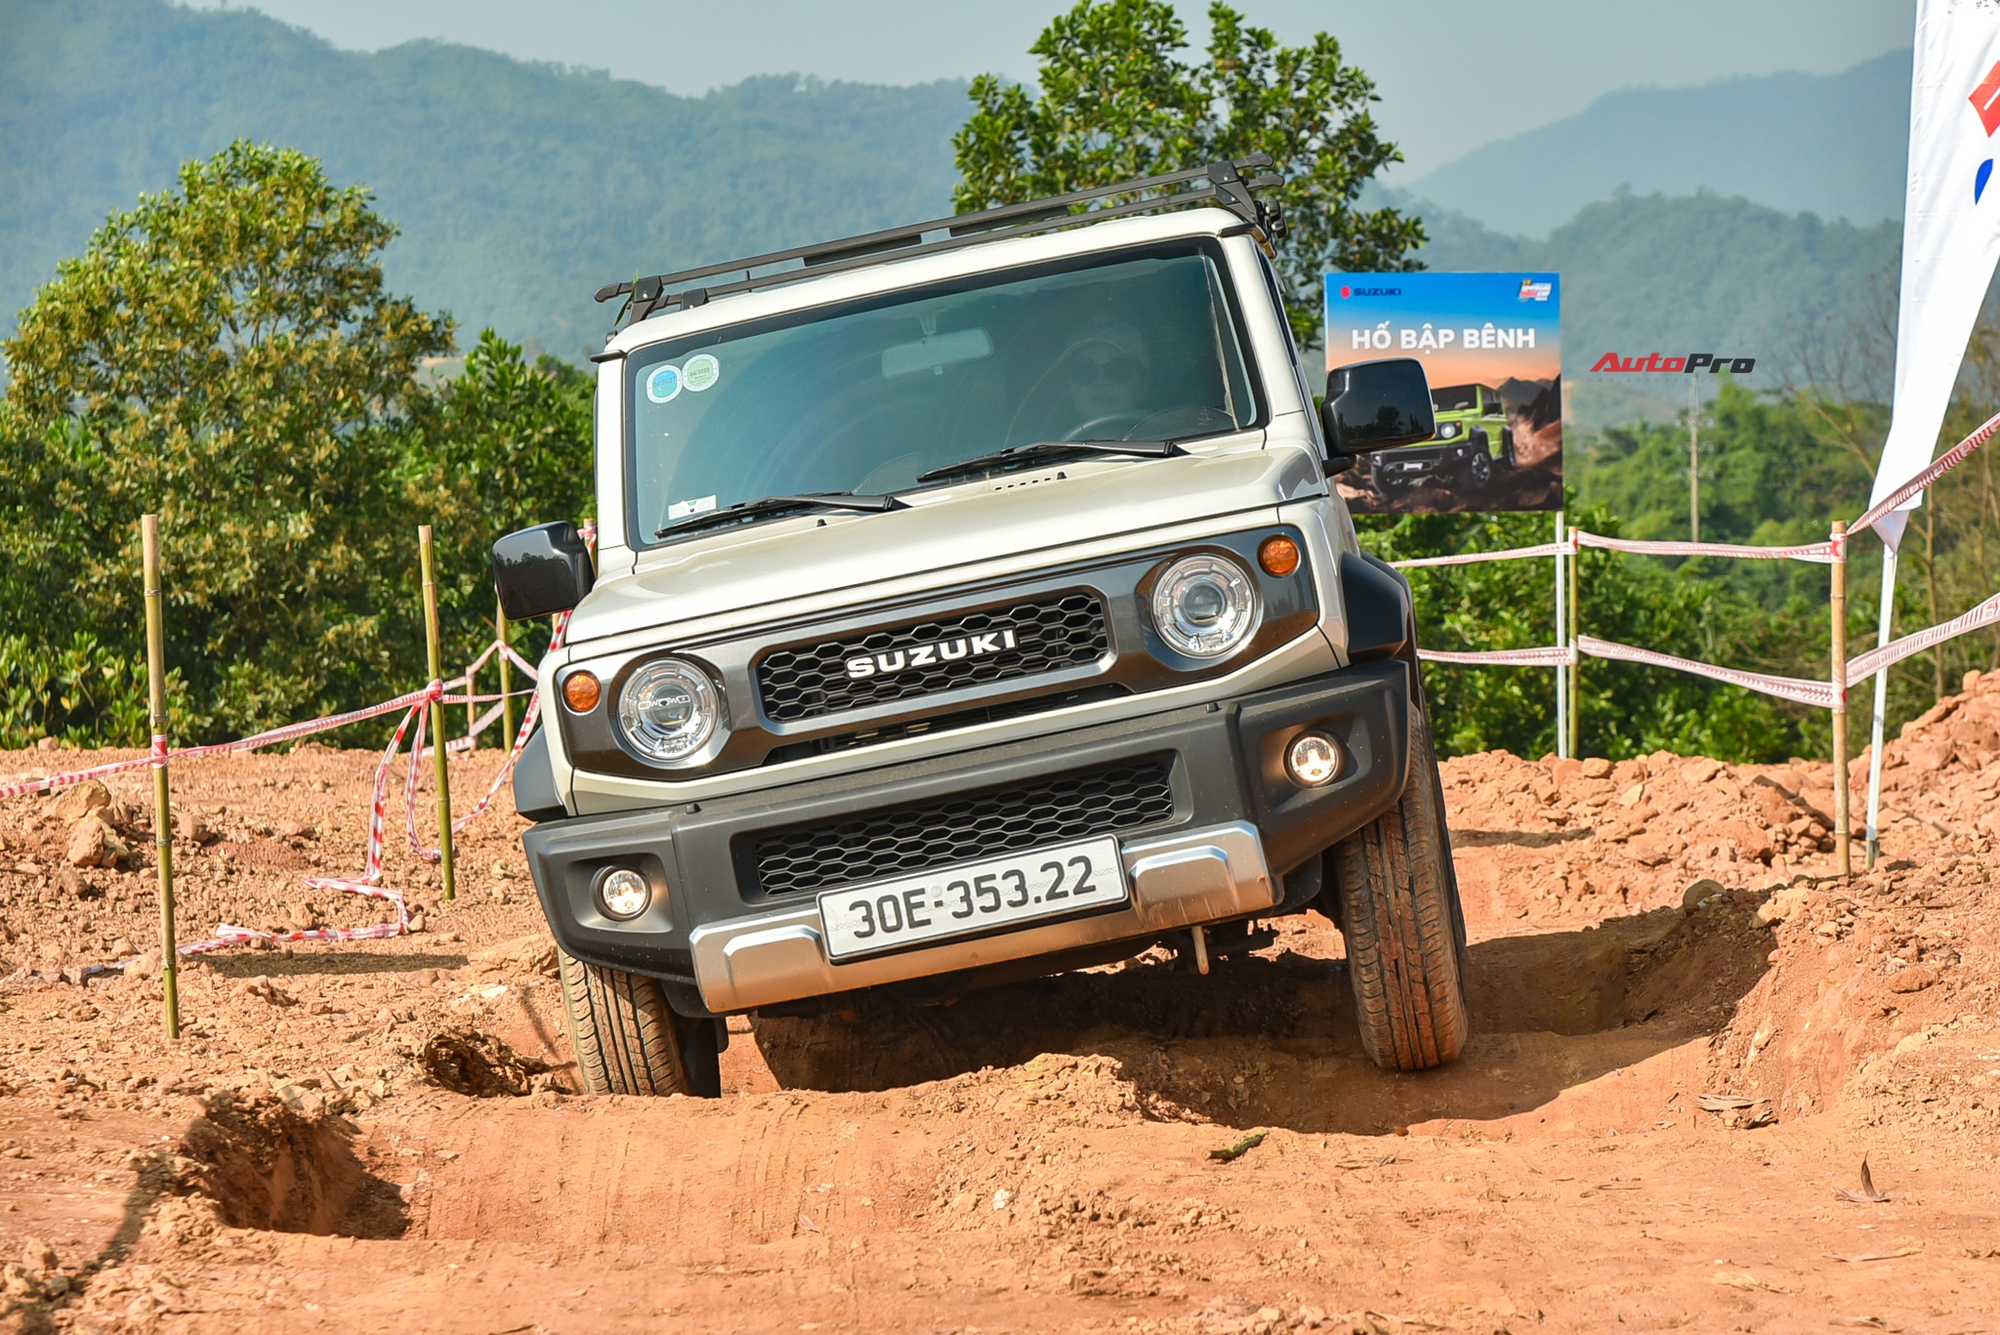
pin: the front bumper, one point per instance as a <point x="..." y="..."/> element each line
<point x="1421" y="461"/>
<point x="723" y="941"/>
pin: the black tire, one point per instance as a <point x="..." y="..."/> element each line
<point x="1399" y="912"/>
<point x="628" y="1040"/>
<point x="1479" y="469"/>
<point x="1507" y="446"/>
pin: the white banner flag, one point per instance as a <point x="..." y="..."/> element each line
<point x="1951" y="228"/>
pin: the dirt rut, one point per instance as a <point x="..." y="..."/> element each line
<point x="1687" y="1037"/>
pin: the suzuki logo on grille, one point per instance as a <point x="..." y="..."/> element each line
<point x="929" y="655"/>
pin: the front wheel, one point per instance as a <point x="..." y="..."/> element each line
<point x="1399" y="912"/>
<point x="628" y="1040"/>
<point x="1479" y="469"/>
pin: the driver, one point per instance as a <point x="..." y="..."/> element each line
<point x="1105" y="371"/>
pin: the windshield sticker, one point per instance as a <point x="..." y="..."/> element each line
<point x="700" y="372"/>
<point x="701" y="505"/>
<point x="664" y="383"/>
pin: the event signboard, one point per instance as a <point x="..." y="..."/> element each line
<point x="1490" y="343"/>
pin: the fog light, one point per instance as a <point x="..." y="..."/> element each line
<point x="623" y="894"/>
<point x="1279" y="556"/>
<point x="581" y="691"/>
<point x="1313" y="759"/>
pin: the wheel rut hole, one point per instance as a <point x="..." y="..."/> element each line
<point x="261" y="1164"/>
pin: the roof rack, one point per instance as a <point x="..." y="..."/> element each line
<point x="1219" y="182"/>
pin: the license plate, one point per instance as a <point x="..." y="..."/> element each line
<point x="974" y="897"/>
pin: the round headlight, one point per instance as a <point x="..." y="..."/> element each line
<point x="668" y="710"/>
<point x="1205" y="606"/>
<point x="623" y="894"/>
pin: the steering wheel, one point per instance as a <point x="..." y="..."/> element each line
<point x="1107" y="426"/>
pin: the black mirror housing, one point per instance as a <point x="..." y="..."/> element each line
<point x="1378" y="405"/>
<point x="541" y="570"/>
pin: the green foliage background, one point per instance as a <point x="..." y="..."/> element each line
<point x="231" y="354"/>
<point x="1775" y="471"/>
<point x="1116" y="102"/>
<point x="226" y="355"/>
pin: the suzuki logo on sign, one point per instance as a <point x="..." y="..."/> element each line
<point x="930" y="655"/>
<point x="1986" y="101"/>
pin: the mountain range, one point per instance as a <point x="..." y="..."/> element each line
<point x="520" y="187"/>
<point x="1830" y="144"/>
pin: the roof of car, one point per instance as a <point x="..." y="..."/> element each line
<point x="1221" y="183"/>
<point x="816" y="289"/>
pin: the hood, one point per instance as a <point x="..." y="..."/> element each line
<point x="1016" y="518"/>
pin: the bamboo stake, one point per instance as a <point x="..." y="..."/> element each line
<point x="1842" y="821"/>
<point x="1694" y="460"/>
<point x="1884" y="627"/>
<point x="1576" y="668"/>
<point x="506" y="679"/>
<point x="437" y="711"/>
<point x="163" y="814"/>
<point x="1562" y="625"/>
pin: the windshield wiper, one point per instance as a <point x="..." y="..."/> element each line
<point x="1041" y="449"/>
<point x="772" y="505"/>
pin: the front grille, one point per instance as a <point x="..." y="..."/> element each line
<point x="961" y="718"/>
<point x="810" y="680"/>
<point x="1124" y="796"/>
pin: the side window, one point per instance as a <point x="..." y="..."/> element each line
<point x="1298" y="372"/>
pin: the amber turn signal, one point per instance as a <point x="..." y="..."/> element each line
<point x="581" y="691"/>
<point x="1278" y="556"/>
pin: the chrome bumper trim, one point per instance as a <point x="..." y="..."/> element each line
<point x="1191" y="877"/>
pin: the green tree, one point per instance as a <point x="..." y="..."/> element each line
<point x="505" y="445"/>
<point x="1116" y="102"/>
<point x="226" y="355"/>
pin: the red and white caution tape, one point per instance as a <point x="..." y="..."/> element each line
<point x="1818" y="693"/>
<point x="1875" y="660"/>
<point x="1821" y="552"/>
<point x="479" y="725"/>
<point x="415" y="706"/>
<point x="1945" y="462"/>
<point x="431" y="853"/>
<point x="289" y="732"/>
<point x="1507" y="554"/>
<point x="1551" y="656"/>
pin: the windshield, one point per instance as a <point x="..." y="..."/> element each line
<point x="1138" y="345"/>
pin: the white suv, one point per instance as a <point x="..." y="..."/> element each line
<point x="970" y="603"/>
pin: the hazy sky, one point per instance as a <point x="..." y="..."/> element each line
<point x="1453" y="74"/>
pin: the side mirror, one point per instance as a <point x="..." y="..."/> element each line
<point x="1377" y="405"/>
<point x="541" y="570"/>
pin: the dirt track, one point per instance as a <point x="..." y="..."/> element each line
<point x="1038" y="1157"/>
